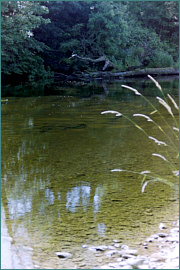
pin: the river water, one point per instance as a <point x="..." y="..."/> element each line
<point x="57" y="190"/>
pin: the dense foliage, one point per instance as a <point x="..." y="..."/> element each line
<point x="20" y="51"/>
<point x="39" y="36"/>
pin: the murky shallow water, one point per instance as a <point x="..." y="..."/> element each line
<point x="58" y="190"/>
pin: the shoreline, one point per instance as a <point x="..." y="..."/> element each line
<point x="117" y="256"/>
<point x="167" y="240"/>
<point x="103" y="75"/>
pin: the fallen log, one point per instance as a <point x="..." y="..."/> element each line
<point x="147" y="71"/>
<point x="89" y="76"/>
<point x="136" y="73"/>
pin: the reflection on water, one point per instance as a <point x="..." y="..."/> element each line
<point x="101" y="228"/>
<point x="97" y="198"/>
<point x="57" y="184"/>
<point x="19" y="207"/>
<point x="77" y="196"/>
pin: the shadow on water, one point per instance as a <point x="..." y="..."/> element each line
<point x="58" y="191"/>
<point x="81" y="89"/>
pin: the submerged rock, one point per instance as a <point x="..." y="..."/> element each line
<point x="155" y="236"/>
<point x="101" y="248"/>
<point x="114" y="265"/>
<point x="150" y="239"/>
<point x="174" y="254"/>
<point x="172" y="239"/>
<point x="63" y="255"/>
<point x="116" y="241"/>
<point x="98" y="248"/>
<point x="145" y="244"/>
<point x="106" y="266"/>
<point x="128" y="251"/>
<point x="135" y="262"/>
<point x="174" y="230"/>
<point x="111" y="247"/>
<point x="122" y="262"/>
<point x="127" y="267"/>
<point x="124" y="247"/>
<point x="127" y="256"/>
<point x="162" y="226"/>
<point x="162" y="235"/>
<point x="110" y="253"/>
<point x="117" y="245"/>
<point x="145" y="266"/>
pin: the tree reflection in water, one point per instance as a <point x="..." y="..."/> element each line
<point x="76" y="196"/>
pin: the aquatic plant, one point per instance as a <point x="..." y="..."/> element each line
<point x="172" y="136"/>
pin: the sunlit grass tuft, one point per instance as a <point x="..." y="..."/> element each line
<point x="171" y="136"/>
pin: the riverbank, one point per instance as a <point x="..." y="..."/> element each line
<point x="108" y="75"/>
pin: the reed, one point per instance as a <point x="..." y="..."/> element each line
<point x="171" y="136"/>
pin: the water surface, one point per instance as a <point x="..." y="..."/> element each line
<point x="58" y="191"/>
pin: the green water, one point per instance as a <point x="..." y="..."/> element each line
<point x="57" y="187"/>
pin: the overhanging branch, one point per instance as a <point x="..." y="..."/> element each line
<point x="107" y="62"/>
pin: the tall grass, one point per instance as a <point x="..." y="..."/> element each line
<point x="171" y="137"/>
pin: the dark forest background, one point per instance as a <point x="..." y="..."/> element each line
<point x="39" y="38"/>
